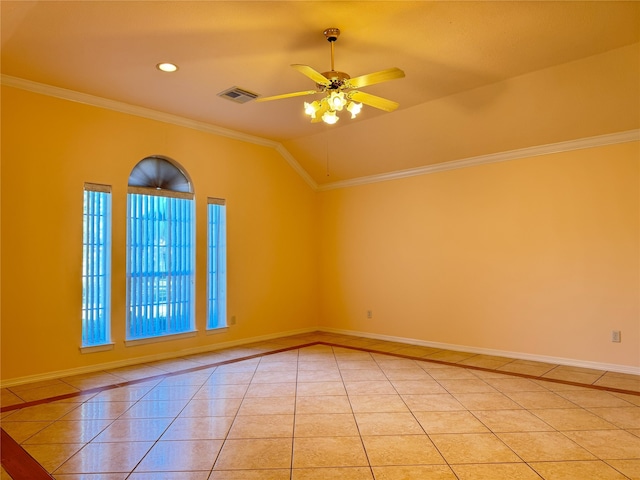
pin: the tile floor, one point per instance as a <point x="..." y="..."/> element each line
<point x="348" y="407"/>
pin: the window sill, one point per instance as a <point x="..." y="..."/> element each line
<point x="215" y="331"/>
<point x="97" y="348"/>
<point x="162" y="338"/>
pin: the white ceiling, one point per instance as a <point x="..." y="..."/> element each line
<point x="109" y="49"/>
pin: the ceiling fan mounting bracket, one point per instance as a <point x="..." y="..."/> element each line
<point x="332" y="34"/>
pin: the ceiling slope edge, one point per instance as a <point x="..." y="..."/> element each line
<point x="151" y="114"/>
<point x="569" y="145"/>
<point x="92" y="100"/>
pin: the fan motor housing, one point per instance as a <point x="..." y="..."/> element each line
<point x="337" y="80"/>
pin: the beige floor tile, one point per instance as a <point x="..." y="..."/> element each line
<point x="272" y="474"/>
<point x="473" y="448"/>
<point x="319" y="375"/>
<point x="504" y="471"/>
<point x="320" y="388"/>
<point x="91" y="380"/>
<point x="275" y="376"/>
<point x="213" y="407"/>
<point x="106" y="457"/>
<point x="197" y="378"/>
<point x="271" y="390"/>
<point x="198" y="428"/>
<point x="44" y="412"/>
<point x="379" y="387"/>
<point x="417" y="387"/>
<point x="53" y="455"/>
<point x="449" y="356"/>
<point x="254" y="454"/>
<point x="98" y="411"/>
<point x="574" y="375"/>
<point x="486" y="401"/>
<point x="377" y="403"/>
<point x="486" y="361"/>
<point x="440" y="372"/>
<point x="608" y="444"/>
<point x="155" y="409"/>
<point x="262" y="426"/>
<point x="450" y="422"/>
<point x="511" y="384"/>
<point x="432" y="472"/>
<point x="368" y="364"/>
<point x="328" y="452"/>
<point x="21" y="431"/>
<point x="323" y="404"/>
<point x="325" y="425"/>
<point x="284" y="368"/>
<point x="388" y="424"/>
<point x="130" y="393"/>
<point x="230" y="378"/>
<point x="363" y="375"/>
<point x="572" y="419"/>
<point x="511" y="421"/>
<point x="401" y="450"/>
<point x="623" y="382"/>
<point x="343" y="473"/>
<point x="92" y="476"/>
<point x="221" y="391"/>
<point x="622" y="417"/>
<point x="630" y="468"/>
<point x="179" y="455"/>
<point x="268" y="406"/>
<point x="69" y="431"/>
<point x="415" y="373"/>
<point x="166" y="393"/>
<point x="134" y="430"/>
<point x="527" y="368"/>
<point x="539" y="400"/>
<point x="574" y="470"/>
<point x="202" y="475"/>
<point x="8" y="398"/>
<point x="436" y="402"/>
<point x="466" y="386"/>
<point x="594" y="398"/>
<point x="544" y="446"/>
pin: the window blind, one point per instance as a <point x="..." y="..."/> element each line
<point x="96" y="265"/>
<point x="216" y="264"/>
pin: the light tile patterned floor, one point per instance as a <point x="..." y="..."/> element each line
<point x="348" y="408"/>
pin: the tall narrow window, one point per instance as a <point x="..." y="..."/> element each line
<point x="96" y="265"/>
<point x="160" y="251"/>
<point x="216" y="264"/>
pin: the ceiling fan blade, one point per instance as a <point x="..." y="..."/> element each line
<point x="377" y="77"/>
<point x="374" y="101"/>
<point x="312" y="74"/>
<point x="286" y="95"/>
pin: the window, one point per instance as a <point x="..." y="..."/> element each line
<point x="96" y="265"/>
<point x="160" y="251"/>
<point x="216" y="264"/>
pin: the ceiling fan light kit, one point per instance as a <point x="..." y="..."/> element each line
<point x="340" y="89"/>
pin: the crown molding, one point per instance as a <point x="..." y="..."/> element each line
<point x="71" y="95"/>
<point x="588" y="142"/>
<point x="150" y="114"/>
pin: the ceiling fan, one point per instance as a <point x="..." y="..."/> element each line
<point x="340" y="89"/>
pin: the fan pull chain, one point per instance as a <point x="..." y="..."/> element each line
<point x="327" y="150"/>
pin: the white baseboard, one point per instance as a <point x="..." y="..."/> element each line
<point x="245" y="341"/>
<point x="610" y="367"/>
<point x="149" y="358"/>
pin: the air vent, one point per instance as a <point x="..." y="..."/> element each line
<point x="238" y="95"/>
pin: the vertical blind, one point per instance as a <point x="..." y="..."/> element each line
<point x="160" y="264"/>
<point x="216" y="264"/>
<point x="96" y="265"/>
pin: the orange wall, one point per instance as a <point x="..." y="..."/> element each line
<point x="50" y="147"/>
<point x="538" y="256"/>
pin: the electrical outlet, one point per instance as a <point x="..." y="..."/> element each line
<point x="616" y="336"/>
<point x="369" y="313"/>
<point x="232" y="321"/>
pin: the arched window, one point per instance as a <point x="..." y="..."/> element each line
<point x="160" y="250"/>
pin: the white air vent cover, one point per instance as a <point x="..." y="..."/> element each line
<point x="238" y="95"/>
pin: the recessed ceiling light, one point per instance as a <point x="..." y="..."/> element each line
<point x="167" y="67"/>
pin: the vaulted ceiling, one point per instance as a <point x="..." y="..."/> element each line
<point x="461" y="59"/>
